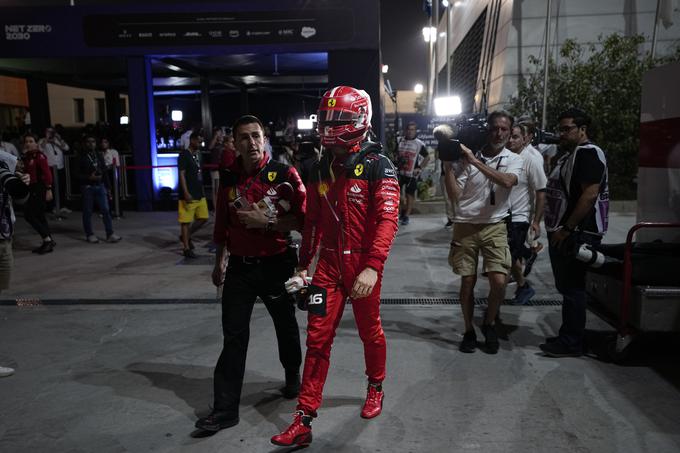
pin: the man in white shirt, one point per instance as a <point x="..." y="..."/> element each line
<point x="481" y="186"/>
<point x="412" y="158"/>
<point x="8" y="147"/>
<point x="54" y="147"/>
<point x="527" y="200"/>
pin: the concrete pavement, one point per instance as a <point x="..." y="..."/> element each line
<point x="147" y="264"/>
<point x="134" y="378"/>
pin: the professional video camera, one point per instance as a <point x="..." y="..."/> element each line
<point x="545" y="137"/>
<point x="469" y="130"/>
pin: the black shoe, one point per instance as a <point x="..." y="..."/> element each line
<point x="292" y="388"/>
<point x="45" y="247"/>
<point x="490" y="338"/>
<point x="557" y="349"/>
<point x="216" y="421"/>
<point x="551" y="339"/>
<point x="188" y="253"/>
<point x="449" y="223"/>
<point x="469" y="343"/>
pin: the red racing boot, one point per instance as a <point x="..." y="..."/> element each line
<point x="298" y="433"/>
<point x="374" y="400"/>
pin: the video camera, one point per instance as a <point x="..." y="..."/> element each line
<point x="469" y="130"/>
<point x="545" y="137"/>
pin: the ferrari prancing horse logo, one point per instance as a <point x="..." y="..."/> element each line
<point x="331" y="102"/>
<point x="271" y="176"/>
<point x="323" y="189"/>
<point x="359" y="169"/>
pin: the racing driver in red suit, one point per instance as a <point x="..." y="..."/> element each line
<point x="352" y="214"/>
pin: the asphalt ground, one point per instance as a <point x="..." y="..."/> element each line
<point x="114" y="347"/>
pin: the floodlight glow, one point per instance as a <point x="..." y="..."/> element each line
<point x="447" y="106"/>
<point x="418" y="88"/>
<point x="124" y="120"/>
<point x="305" y="124"/>
<point x="429" y="33"/>
<point x="445" y="3"/>
<point x="457" y="4"/>
<point x="385" y="68"/>
<point x="176" y="115"/>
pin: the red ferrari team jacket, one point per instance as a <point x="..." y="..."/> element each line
<point x="235" y="183"/>
<point x="352" y="208"/>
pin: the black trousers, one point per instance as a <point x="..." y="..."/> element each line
<point x="570" y="281"/>
<point x="34" y="209"/>
<point x="244" y="282"/>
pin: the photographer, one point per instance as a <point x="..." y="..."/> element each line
<point x="480" y="185"/>
<point x="94" y="187"/>
<point x="576" y="213"/>
<point x="412" y="157"/>
<point x="306" y="156"/>
<point x="12" y="187"/>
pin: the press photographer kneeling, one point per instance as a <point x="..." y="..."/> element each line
<point x="480" y="185"/>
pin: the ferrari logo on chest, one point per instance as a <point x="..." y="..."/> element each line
<point x="271" y="176"/>
<point x="232" y="194"/>
<point x="323" y="189"/>
<point x="331" y="102"/>
<point x="359" y="169"/>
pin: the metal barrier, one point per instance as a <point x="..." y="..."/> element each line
<point x="121" y="186"/>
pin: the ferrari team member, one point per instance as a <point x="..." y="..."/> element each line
<point x="352" y="213"/>
<point x="255" y="241"/>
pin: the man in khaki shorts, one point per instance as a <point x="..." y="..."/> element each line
<point x="481" y="186"/>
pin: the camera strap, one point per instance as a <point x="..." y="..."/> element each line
<point x="492" y="186"/>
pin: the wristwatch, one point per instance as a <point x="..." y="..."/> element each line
<point x="270" y="224"/>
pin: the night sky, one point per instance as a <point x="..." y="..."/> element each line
<point x="403" y="47"/>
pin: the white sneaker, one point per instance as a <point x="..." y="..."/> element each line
<point x="65" y="211"/>
<point x="113" y="238"/>
<point x="92" y="239"/>
<point x="4" y="371"/>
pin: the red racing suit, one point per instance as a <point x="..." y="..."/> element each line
<point x="352" y="213"/>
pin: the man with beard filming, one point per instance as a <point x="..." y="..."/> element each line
<point x="480" y="184"/>
<point x="259" y="203"/>
<point x="576" y="213"/>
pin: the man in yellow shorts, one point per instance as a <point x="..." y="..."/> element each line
<point x="193" y="207"/>
<point x="481" y="184"/>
